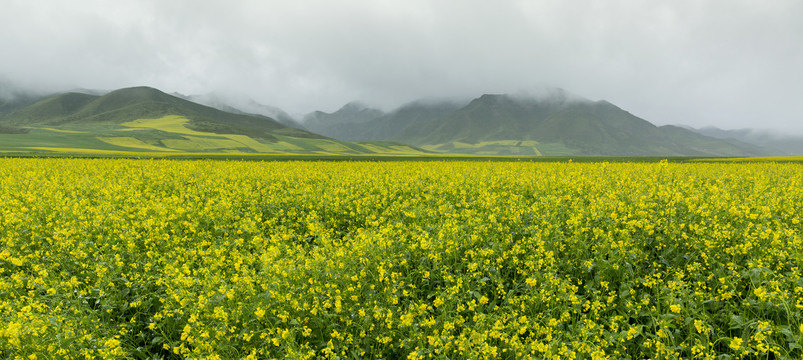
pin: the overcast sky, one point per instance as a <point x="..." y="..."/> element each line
<point x="726" y="63"/>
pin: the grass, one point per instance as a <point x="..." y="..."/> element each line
<point x="756" y="159"/>
<point x="502" y="147"/>
<point x="51" y="139"/>
<point x="130" y="142"/>
<point x="64" y="131"/>
<point x="251" y="143"/>
<point x="373" y="157"/>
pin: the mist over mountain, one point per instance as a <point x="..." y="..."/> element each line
<point x="253" y="107"/>
<point x="338" y="124"/>
<point x="13" y="97"/>
<point x="784" y="143"/>
<point x="241" y="106"/>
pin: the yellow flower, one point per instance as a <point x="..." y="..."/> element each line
<point x="736" y="343"/>
<point x="111" y="343"/>
<point x="631" y="333"/>
<point x="700" y="326"/>
<point x="674" y="308"/>
<point x="761" y="293"/>
<point x="259" y="313"/>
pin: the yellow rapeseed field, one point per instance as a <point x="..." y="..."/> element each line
<point x="115" y="258"/>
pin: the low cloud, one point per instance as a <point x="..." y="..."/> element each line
<point x="731" y="64"/>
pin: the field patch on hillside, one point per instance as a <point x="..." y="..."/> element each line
<point x="170" y="124"/>
<point x="500" y="147"/>
<point x="130" y="142"/>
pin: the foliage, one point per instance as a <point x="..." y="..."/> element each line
<point x="123" y="258"/>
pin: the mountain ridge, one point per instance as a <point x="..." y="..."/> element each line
<point x="556" y="123"/>
<point x="249" y="107"/>
<point x="126" y="104"/>
<point x="144" y="119"/>
<point x="553" y="123"/>
<point x="785" y="143"/>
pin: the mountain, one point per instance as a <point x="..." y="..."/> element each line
<point x="146" y="119"/>
<point x="785" y="144"/>
<point x="13" y="98"/>
<point x="249" y="107"/>
<point x="136" y="103"/>
<point x="253" y="107"/>
<point x="388" y="126"/>
<point x="331" y="124"/>
<point x="584" y="127"/>
<point x="556" y="123"/>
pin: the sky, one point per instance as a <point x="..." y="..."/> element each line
<point x="726" y="63"/>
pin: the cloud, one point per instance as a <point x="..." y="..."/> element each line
<point x="724" y="63"/>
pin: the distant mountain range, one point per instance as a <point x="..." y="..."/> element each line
<point x="557" y="123"/>
<point x="783" y="144"/>
<point x="145" y="119"/>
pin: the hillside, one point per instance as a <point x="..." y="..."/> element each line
<point x="146" y="119"/>
<point x="136" y="103"/>
<point x="339" y="124"/>
<point x="555" y="124"/>
<point x="247" y="107"/>
<point x="388" y="126"/>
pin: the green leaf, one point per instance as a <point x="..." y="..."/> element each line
<point x="737" y="322"/>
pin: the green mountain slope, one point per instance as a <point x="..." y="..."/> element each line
<point x="249" y="107"/>
<point x="556" y="124"/>
<point x="143" y="119"/>
<point x="137" y="103"/>
<point x="50" y="110"/>
<point x="353" y="114"/>
<point x="582" y="126"/>
<point x="412" y="116"/>
<point x="489" y="117"/>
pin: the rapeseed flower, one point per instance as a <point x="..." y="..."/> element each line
<point x="207" y="259"/>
